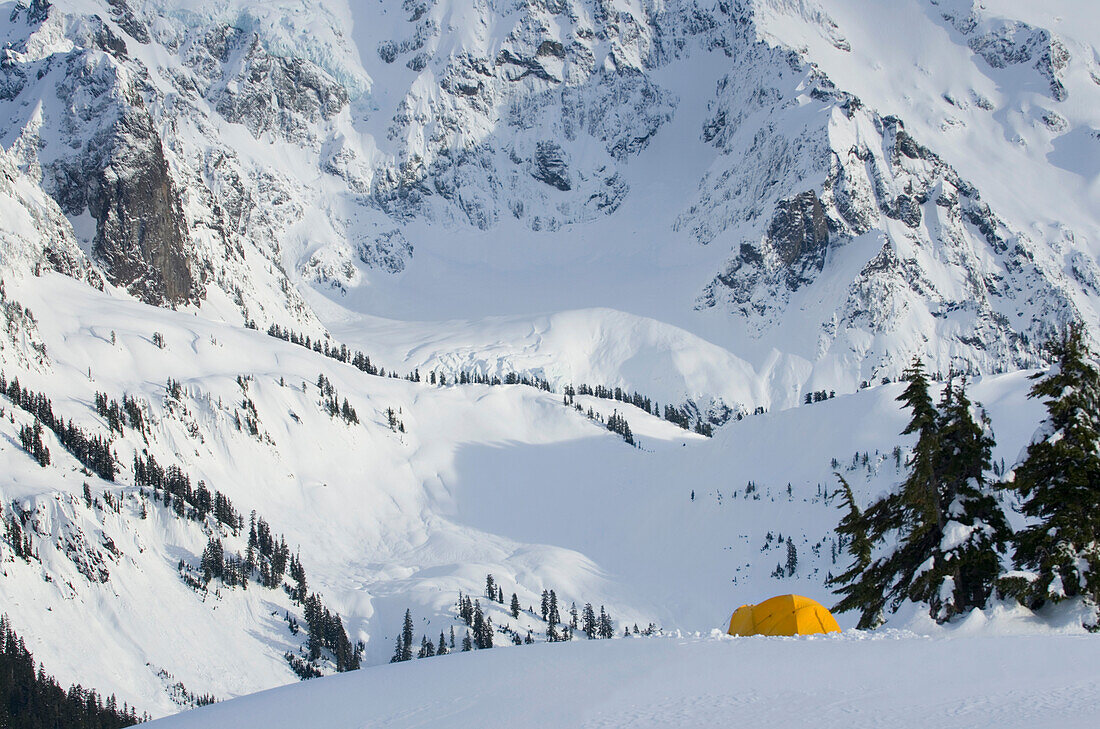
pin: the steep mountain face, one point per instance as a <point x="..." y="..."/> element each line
<point x="724" y="206"/>
<point x="248" y="148"/>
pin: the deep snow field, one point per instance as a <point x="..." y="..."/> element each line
<point x="853" y="680"/>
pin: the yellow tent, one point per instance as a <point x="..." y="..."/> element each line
<point x="783" y="615"/>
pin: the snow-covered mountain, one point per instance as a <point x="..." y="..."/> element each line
<point x="721" y="206"/>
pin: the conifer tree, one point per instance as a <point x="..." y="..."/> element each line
<point x="427" y="650"/>
<point x="604" y="628"/>
<point x="967" y="559"/>
<point x="490" y="587"/>
<point x="479" y="625"/>
<point x="589" y="624"/>
<point x="792" y="558"/>
<point x="407" y="636"/>
<point x="1059" y="483"/>
<point x="442" y="650"/>
<point x="949" y="529"/>
<point x="852" y="531"/>
<point x="515" y="606"/>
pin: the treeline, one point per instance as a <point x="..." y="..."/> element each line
<point x="15" y="535"/>
<point x="32" y="699"/>
<point x="615" y="423"/>
<point x="362" y="362"/>
<point x="173" y="486"/>
<point x="330" y="401"/>
<point x="943" y="539"/>
<point x="480" y="633"/>
<point x="267" y="560"/>
<point x="341" y="354"/>
<point x="818" y="396"/>
<point x="326" y="630"/>
<point x="119" y="415"/>
<point x="678" y="416"/>
<point x="93" y="451"/>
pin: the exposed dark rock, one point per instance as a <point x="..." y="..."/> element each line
<point x="280" y="94"/>
<point x="387" y="51"/>
<point x="12" y="77"/>
<point x="124" y="16"/>
<point x="551" y="167"/>
<point x="907" y="146"/>
<point x="388" y="251"/>
<point x="140" y="235"/>
<point x="981" y="217"/>
<point x="530" y="66"/>
<point x="105" y="39"/>
<point x="906" y="209"/>
<point x="221" y="40"/>
<point x="610" y="196"/>
<point x="551" y="48"/>
<point x="1013" y="43"/>
<point x="799" y="229"/>
<point x="37" y="11"/>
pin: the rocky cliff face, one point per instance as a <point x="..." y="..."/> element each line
<point x="141" y="236"/>
<point x="233" y="154"/>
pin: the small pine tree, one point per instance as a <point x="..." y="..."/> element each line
<point x="553" y="617"/>
<point x="792" y="558"/>
<point x="967" y="560"/>
<point x="589" y="624"/>
<point x="515" y="606"/>
<point x="852" y="530"/>
<point x="604" y="626"/>
<point x="490" y="587"/>
<point x="407" y="637"/>
<point x="1059" y="483"/>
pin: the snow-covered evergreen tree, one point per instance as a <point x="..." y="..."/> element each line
<point x="941" y="533"/>
<point x="974" y="532"/>
<point x="1058" y="553"/>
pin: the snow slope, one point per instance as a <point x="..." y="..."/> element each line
<point x="503" y="480"/>
<point x="896" y="680"/>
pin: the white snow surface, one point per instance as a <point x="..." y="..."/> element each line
<point x="857" y="679"/>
